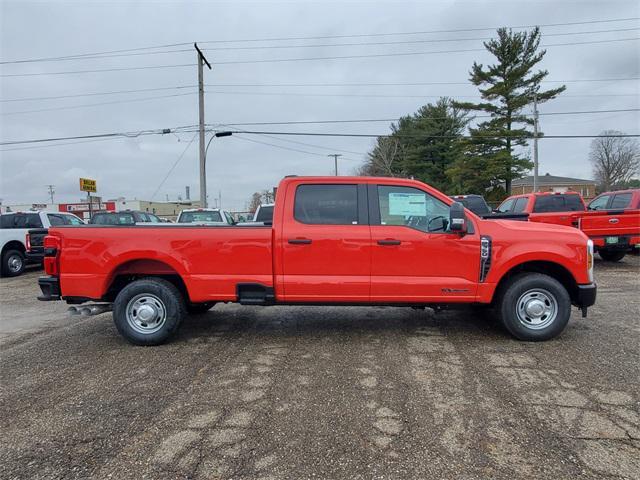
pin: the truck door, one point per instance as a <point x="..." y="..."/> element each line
<point x="326" y="244"/>
<point x="414" y="255"/>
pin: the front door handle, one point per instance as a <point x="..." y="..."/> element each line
<point x="389" y="242"/>
<point x="299" y="241"/>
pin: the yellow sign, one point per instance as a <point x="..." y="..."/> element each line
<point x="88" y="185"/>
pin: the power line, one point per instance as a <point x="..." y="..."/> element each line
<point x="317" y="37"/>
<point x="72" y="107"/>
<point x="357" y="84"/>
<point x="366" y="135"/>
<point x="403" y="54"/>
<point x="175" y="164"/>
<point x="116" y="92"/>
<point x="302" y="59"/>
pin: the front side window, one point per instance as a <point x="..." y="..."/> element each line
<point x="413" y="208"/>
<point x="599" y="203"/>
<point x="621" y="200"/>
<point x="72" y="220"/>
<point x="505" y="206"/>
<point x="56" y="220"/>
<point x="326" y="204"/>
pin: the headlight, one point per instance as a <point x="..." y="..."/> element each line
<point x="590" y="259"/>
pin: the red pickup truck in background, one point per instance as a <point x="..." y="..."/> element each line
<point x="546" y="207"/>
<point x="612" y="221"/>
<point x="334" y="240"/>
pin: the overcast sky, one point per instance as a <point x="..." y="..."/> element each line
<point x="135" y="167"/>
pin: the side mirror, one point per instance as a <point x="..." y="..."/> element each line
<point x="457" y="219"/>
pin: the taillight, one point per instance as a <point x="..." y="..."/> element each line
<point x="51" y="250"/>
<point x="27" y="242"/>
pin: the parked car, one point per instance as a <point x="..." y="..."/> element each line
<point x="546" y="207"/>
<point x="476" y="203"/>
<point x="334" y="240"/>
<point x="205" y="216"/>
<point x="125" y="217"/>
<point x="613" y="223"/>
<point x="13" y="237"/>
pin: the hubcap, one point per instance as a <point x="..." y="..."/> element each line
<point x="146" y="313"/>
<point x="537" y="309"/>
<point x="15" y="263"/>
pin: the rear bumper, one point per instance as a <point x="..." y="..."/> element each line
<point x="50" y="287"/>
<point x="35" y="257"/>
<point x="586" y="295"/>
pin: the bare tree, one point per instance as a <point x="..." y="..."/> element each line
<point x="383" y="160"/>
<point x="614" y="159"/>
<point x="255" y="202"/>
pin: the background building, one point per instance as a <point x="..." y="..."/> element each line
<point x="551" y="183"/>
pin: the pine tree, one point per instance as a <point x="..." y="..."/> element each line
<point x="507" y="87"/>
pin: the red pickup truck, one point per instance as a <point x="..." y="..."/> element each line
<point x="333" y="241"/>
<point x="546" y="207"/>
<point x="612" y="221"/>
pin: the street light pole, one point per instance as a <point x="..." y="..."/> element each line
<point x="535" y="143"/>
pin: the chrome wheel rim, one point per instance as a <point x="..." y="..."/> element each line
<point x="146" y="313"/>
<point x="14" y="263"/>
<point x="536" y="309"/>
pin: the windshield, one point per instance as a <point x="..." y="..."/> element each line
<point x="199" y="217"/>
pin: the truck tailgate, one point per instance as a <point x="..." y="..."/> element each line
<point x="601" y="226"/>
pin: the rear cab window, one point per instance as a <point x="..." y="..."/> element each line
<point x="319" y="204"/>
<point x="557" y="203"/>
<point x="200" y="217"/>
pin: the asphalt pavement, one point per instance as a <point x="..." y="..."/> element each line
<point x="321" y="392"/>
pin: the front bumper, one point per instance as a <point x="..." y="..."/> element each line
<point x="50" y="287"/>
<point x="586" y="295"/>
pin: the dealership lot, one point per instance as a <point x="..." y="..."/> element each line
<point x="321" y="392"/>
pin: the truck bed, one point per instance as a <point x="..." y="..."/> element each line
<point x="95" y="255"/>
<point x="613" y="228"/>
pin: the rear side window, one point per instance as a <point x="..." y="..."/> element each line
<point x="7" y="221"/>
<point x="520" y="205"/>
<point x="27" y="220"/>
<point x="326" y="204"/>
<point x="621" y="200"/>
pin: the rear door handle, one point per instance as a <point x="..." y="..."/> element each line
<point x="389" y="242"/>
<point x="299" y="241"/>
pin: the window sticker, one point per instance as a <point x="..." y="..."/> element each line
<point x="408" y="204"/>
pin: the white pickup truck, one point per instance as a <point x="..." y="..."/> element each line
<point x="13" y="231"/>
<point x="205" y="216"/>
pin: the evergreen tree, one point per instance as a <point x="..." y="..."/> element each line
<point x="423" y="145"/>
<point x="507" y="87"/>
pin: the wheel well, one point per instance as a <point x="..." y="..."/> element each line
<point x="551" y="269"/>
<point x="133" y="270"/>
<point x="13" y="245"/>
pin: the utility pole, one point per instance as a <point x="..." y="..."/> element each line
<point x="535" y="143"/>
<point x="51" y="191"/>
<point x="203" y="156"/>
<point x="335" y="160"/>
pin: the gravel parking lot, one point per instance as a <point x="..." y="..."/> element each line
<point x="321" y="392"/>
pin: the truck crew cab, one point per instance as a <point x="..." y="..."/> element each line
<point x="333" y="241"/>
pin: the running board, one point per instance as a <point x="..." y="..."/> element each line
<point x="255" y="294"/>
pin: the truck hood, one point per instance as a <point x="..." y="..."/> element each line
<point x="532" y="228"/>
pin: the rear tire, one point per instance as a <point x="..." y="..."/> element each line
<point x="612" y="255"/>
<point x="534" y="307"/>
<point x="13" y="263"/>
<point x="148" y="311"/>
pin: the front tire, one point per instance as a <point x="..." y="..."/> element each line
<point x="13" y="263"/>
<point x="148" y="311"/>
<point x="534" y="307"/>
<point x="612" y="255"/>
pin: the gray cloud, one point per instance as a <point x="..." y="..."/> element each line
<point x="237" y="167"/>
